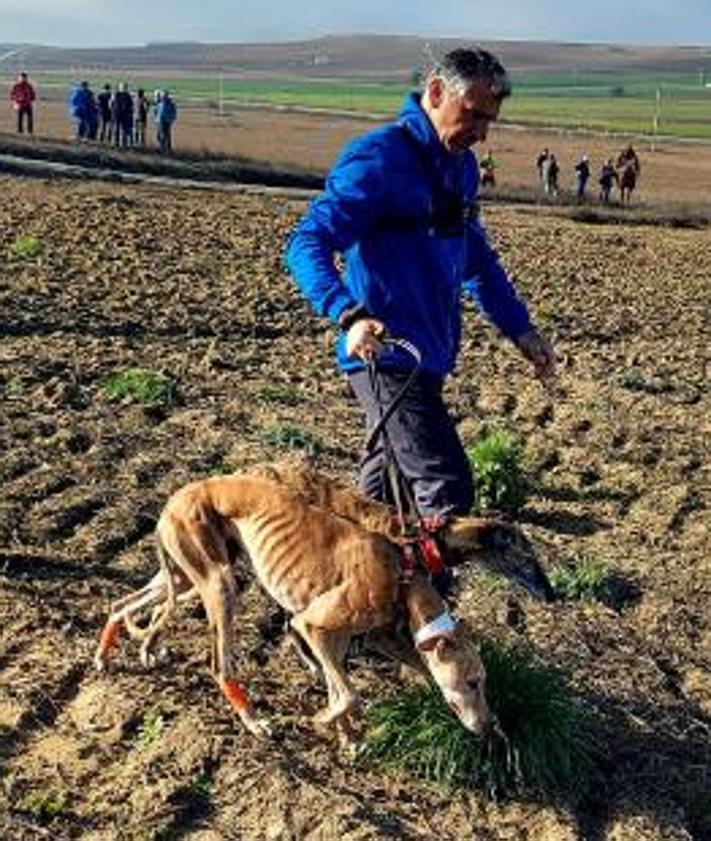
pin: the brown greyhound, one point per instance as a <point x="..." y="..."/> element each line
<point x="333" y="575"/>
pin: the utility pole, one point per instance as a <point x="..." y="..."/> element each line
<point x="657" y="116"/>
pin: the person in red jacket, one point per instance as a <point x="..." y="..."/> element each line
<point x="22" y="96"/>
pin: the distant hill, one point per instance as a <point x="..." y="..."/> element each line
<point x="365" y="57"/>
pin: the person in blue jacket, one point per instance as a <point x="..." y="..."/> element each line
<point x="400" y="206"/>
<point x="84" y="111"/>
<point x="166" y="113"/>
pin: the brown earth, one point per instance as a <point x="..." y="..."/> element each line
<point x="192" y="284"/>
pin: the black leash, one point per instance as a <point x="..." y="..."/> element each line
<point x="402" y="493"/>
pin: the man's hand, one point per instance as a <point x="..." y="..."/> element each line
<point x="363" y="338"/>
<point x="539" y="352"/>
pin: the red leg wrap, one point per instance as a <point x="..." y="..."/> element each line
<point x="236" y="695"/>
<point x="109" y="636"/>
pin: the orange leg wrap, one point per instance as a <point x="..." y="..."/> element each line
<point x="109" y="637"/>
<point x="236" y="695"/>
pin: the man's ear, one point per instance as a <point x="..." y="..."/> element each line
<point x="435" y="91"/>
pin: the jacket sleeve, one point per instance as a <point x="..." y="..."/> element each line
<point x="335" y="221"/>
<point x="490" y="287"/>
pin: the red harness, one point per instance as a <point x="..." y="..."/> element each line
<point x="421" y="548"/>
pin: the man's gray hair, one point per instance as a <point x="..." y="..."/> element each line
<point x="460" y="68"/>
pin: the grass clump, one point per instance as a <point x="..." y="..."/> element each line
<point x="281" y="394"/>
<point x="224" y="468"/>
<point x="44" y="805"/>
<point x="290" y="437"/>
<point x="14" y="387"/>
<point x="499" y="479"/>
<point x="542" y="741"/>
<point x="150" y="728"/>
<point x="27" y="247"/>
<point x="589" y="580"/>
<point x="141" y="385"/>
<point x="633" y="379"/>
<point x="201" y="787"/>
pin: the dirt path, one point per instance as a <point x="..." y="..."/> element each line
<point x="192" y="284"/>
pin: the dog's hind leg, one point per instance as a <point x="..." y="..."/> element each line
<point x="153" y="593"/>
<point x="148" y="635"/>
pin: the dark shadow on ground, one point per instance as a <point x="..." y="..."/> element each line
<point x="563" y="522"/>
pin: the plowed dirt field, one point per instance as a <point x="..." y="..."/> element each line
<point x="192" y="285"/>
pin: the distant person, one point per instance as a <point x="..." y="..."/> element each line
<point x="550" y="172"/>
<point x="141" y="110"/>
<point x="608" y="177"/>
<point x="487" y="165"/>
<point x="582" y="176"/>
<point x="84" y="111"/>
<point x="165" y="116"/>
<point x="22" y="97"/>
<point x="122" y="113"/>
<point x="628" y="169"/>
<point x="540" y="161"/>
<point x="103" y="101"/>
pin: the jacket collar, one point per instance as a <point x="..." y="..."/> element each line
<point x="413" y="117"/>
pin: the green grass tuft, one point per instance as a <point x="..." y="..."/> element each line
<point x="284" y="395"/>
<point x="44" y="805"/>
<point x="224" y="468"/>
<point x="141" y="385"/>
<point x="292" y="438"/>
<point x="499" y="479"/>
<point x="201" y="787"/>
<point x="27" y="247"/>
<point x="150" y="728"/>
<point x="543" y="742"/>
<point x="589" y="580"/>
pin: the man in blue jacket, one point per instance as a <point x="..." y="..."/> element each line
<point x="399" y="205"/>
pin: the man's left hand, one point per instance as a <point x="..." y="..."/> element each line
<point x="539" y="352"/>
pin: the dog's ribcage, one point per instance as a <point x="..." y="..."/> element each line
<point x="282" y="559"/>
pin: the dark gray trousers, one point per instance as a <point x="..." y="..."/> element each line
<point x="424" y="441"/>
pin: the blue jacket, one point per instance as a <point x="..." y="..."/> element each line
<point x="395" y="205"/>
<point x="82" y="104"/>
<point x="166" y="111"/>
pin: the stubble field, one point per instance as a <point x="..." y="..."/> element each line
<point x="192" y="285"/>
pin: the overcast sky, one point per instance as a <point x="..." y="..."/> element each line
<point x="128" y="22"/>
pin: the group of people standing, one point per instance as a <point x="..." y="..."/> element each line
<point x="121" y="118"/>
<point x="624" y="173"/>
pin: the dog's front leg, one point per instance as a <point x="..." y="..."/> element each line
<point x="219" y="597"/>
<point x="324" y="627"/>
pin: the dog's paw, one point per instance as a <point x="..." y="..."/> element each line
<point x="259" y="728"/>
<point x="100" y="663"/>
<point x="150" y="659"/>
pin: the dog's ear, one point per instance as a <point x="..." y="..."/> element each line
<point x="463" y="536"/>
<point x="441" y="645"/>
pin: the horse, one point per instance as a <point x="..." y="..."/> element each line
<point x="628" y="181"/>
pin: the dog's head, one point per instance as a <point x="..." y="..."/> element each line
<point x="457" y="669"/>
<point x="498" y="546"/>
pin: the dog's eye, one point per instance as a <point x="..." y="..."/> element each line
<point x="473" y="683"/>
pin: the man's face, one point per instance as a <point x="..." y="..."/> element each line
<point x="461" y="119"/>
